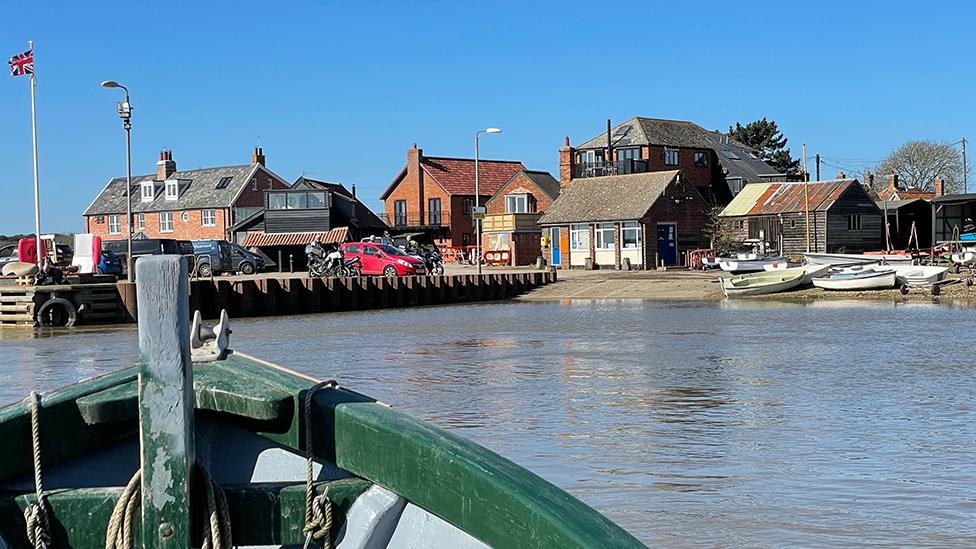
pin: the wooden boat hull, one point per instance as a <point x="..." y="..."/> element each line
<point x="868" y="280"/>
<point x="393" y="480"/>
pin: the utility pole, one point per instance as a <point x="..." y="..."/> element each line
<point x="965" y="169"/>
<point x="806" y="197"/>
<point x="818" y="167"/>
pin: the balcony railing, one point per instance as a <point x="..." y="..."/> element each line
<point x="601" y="168"/>
<point x="416" y="219"/>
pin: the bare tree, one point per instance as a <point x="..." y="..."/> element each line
<point x="919" y="163"/>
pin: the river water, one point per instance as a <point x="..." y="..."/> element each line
<point x="690" y="424"/>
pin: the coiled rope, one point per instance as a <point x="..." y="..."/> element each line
<point x="35" y="514"/>
<point x="318" y="509"/>
<point x="216" y="524"/>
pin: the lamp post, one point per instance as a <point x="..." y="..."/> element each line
<point x="477" y="193"/>
<point x="125" y="113"/>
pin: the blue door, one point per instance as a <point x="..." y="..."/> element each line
<point x="554" y="245"/>
<point x="667" y="243"/>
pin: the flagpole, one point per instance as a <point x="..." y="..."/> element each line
<point x="37" y="201"/>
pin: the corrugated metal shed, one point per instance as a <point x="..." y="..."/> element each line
<point x="778" y="198"/>
<point x="335" y="236"/>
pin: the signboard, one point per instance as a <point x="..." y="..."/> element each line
<point x="478" y="212"/>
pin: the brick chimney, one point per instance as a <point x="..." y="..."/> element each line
<point x="415" y="173"/>
<point x="841" y="175"/>
<point x="166" y="166"/>
<point x="566" y="157"/>
<point x="939" y="186"/>
<point x="892" y="183"/>
<point x="868" y="179"/>
<point x="258" y="156"/>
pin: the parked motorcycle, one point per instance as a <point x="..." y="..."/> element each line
<point x="323" y="263"/>
<point x="432" y="260"/>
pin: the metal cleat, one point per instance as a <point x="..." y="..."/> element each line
<point x="209" y="343"/>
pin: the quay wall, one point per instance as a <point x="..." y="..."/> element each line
<point x="269" y="296"/>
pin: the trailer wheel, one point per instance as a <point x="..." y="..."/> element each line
<point x="57" y="313"/>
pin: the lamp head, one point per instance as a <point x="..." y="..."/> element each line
<point x="110" y="84"/>
<point x="493" y="130"/>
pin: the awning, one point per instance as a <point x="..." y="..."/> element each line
<point x="259" y="240"/>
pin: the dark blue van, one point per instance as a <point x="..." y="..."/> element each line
<point x="225" y="257"/>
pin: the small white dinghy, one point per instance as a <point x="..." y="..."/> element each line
<point x="745" y="263"/>
<point x="846" y="260"/>
<point x="964" y="257"/>
<point x="762" y="283"/>
<point x="857" y="279"/>
<point x="778" y="264"/>
<point x="921" y="275"/>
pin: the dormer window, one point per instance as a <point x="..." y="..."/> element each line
<point x="147" y="191"/>
<point x="172" y="190"/>
<point x="517" y="203"/>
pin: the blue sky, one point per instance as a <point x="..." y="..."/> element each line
<point x="339" y="91"/>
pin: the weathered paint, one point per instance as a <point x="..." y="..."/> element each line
<point x="165" y="401"/>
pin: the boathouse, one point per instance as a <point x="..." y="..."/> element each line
<point x="639" y="220"/>
<point x="842" y="217"/>
<point x="909" y="221"/>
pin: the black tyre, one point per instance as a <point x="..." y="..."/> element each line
<point x="390" y="271"/>
<point x="246" y="268"/>
<point x="57" y="312"/>
<point x="205" y="270"/>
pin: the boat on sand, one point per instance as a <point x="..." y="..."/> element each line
<point x="920" y="275"/>
<point x="198" y="445"/>
<point x="745" y="263"/>
<point x="866" y="279"/>
<point x="845" y="260"/>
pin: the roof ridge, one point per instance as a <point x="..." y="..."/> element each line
<point x="470" y="159"/>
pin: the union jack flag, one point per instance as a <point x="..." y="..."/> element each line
<point x="22" y="64"/>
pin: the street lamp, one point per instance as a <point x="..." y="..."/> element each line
<point x="125" y="113"/>
<point x="477" y="196"/>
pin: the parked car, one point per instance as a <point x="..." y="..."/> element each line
<point x="245" y="261"/>
<point x="383" y="259"/>
<point x="226" y="257"/>
<point x="151" y="246"/>
<point x="109" y="264"/>
<point x="8" y="254"/>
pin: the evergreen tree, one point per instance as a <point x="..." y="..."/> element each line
<point x="764" y="137"/>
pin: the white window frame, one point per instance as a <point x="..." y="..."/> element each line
<point x="579" y="237"/>
<point x="628" y="227"/>
<point x="141" y="221"/>
<point x="148" y="191"/>
<point x="671" y="154"/>
<point x="172" y="190"/>
<point x="704" y="159"/>
<point x="208" y="220"/>
<point x="254" y="184"/>
<point x="270" y="183"/>
<point x="520" y="199"/>
<point x="165" y="222"/>
<point x="114" y="224"/>
<point x="600" y="233"/>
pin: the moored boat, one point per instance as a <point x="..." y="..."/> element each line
<point x="920" y="275"/>
<point x="844" y="260"/>
<point x="745" y="263"/>
<point x="866" y="279"/>
<point x="201" y="446"/>
<point x="762" y="283"/>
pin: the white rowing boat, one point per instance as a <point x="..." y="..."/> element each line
<point x="866" y="279"/>
<point x="845" y="260"/>
<point x="762" y="283"/>
<point x="920" y="275"/>
<point x="745" y="263"/>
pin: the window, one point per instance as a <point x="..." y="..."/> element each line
<point x="352" y="249"/>
<point x="517" y="203"/>
<point x="297" y="201"/>
<point x="792" y="223"/>
<point x="591" y="156"/>
<point x="316" y="200"/>
<point x="630" y="235"/>
<point x="141" y="222"/>
<point x="172" y="190"/>
<point x="208" y="218"/>
<point x="276" y="201"/>
<point x="147" y="191"/>
<point x="671" y="157"/>
<point x="166" y="222"/>
<point x="434" y="211"/>
<point x="736" y="184"/>
<point x="223" y="183"/>
<point x="399" y="213"/>
<point x="254" y="184"/>
<point x="740" y="224"/>
<point x="579" y="237"/>
<point x="270" y="183"/>
<point x="701" y="160"/>
<point x="604" y="236"/>
<point x="629" y="154"/>
<point x="114" y="225"/>
<point x="854" y="222"/>
<point x="466" y="205"/>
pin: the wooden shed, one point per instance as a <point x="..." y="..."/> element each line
<point x="842" y="217"/>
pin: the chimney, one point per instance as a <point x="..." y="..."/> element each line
<point x="258" y="156"/>
<point x="354" y="190"/>
<point x="939" y="186"/>
<point x="166" y="166"/>
<point x="868" y="179"/>
<point x="566" y="157"/>
<point x="414" y="157"/>
<point x="841" y="175"/>
<point x="892" y="182"/>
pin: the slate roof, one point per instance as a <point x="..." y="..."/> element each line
<point x="737" y="158"/>
<point x="777" y="198"/>
<point x="609" y="198"/>
<point x="365" y="218"/>
<point x="197" y="189"/>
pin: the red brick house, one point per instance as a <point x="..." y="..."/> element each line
<point x="513" y="213"/>
<point x="715" y="164"/>
<point x="188" y="205"/>
<point x="435" y="194"/>
<point x="646" y="219"/>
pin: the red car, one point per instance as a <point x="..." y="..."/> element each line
<point x="383" y="259"/>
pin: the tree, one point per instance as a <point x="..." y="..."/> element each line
<point x="764" y="137"/>
<point x="919" y="163"/>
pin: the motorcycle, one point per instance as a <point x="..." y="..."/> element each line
<point x="354" y="266"/>
<point x="432" y="260"/>
<point x="325" y="264"/>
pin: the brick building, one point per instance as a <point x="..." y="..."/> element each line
<point x="435" y="194"/>
<point x="188" y="205"/>
<point x="717" y="165"/>
<point x="513" y="213"/>
<point x="647" y="219"/>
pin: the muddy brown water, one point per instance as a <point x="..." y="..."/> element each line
<point x="767" y="424"/>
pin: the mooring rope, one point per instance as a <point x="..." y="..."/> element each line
<point x="216" y="524"/>
<point x="35" y="514"/>
<point x="318" y="509"/>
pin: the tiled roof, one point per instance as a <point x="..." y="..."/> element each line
<point x="456" y="175"/>
<point x="776" y="198"/>
<point x="260" y="239"/>
<point x="905" y="194"/>
<point x="197" y="189"/>
<point x="610" y="198"/>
